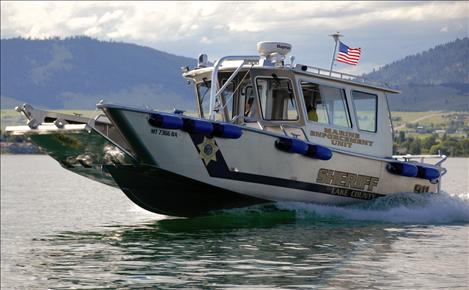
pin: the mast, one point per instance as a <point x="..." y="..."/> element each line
<point x="336" y="39"/>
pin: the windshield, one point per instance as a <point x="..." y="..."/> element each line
<point x="233" y="97"/>
<point x="203" y="92"/>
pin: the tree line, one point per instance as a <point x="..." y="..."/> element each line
<point x="453" y="146"/>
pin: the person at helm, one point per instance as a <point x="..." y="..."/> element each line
<point x="311" y="109"/>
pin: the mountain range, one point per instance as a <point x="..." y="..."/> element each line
<point x="77" y="72"/>
<point x="436" y="79"/>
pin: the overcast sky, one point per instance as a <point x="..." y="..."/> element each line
<point x="386" y="31"/>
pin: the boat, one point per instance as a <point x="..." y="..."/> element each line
<point x="81" y="145"/>
<point x="266" y="130"/>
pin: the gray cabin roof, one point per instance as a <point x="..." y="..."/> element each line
<point x="304" y="70"/>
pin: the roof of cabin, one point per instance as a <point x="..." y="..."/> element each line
<point x="301" y="69"/>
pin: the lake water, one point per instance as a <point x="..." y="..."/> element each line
<point x="60" y="230"/>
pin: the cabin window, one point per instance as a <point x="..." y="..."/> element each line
<point x="366" y="110"/>
<point x="277" y="99"/>
<point x="203" y="91"/>
<point x="228" y="97"/>
<point x="325" y="104"/>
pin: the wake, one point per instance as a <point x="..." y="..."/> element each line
<point x="407" y="208"/>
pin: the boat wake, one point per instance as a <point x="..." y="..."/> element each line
<point x="406" y="208"/>
<point x="401" y="208"/>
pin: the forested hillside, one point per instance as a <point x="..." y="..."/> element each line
<point x="77" y="72"/>
<point x="436" y="79"/>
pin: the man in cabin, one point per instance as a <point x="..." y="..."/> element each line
<point x="249" y="109"/>
<point x="311" y="109"/>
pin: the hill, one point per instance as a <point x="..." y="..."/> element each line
<point x="436" y="79"/>
<point x="77" y="72"/>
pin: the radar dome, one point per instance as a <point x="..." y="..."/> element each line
<point x="267" y="48"/>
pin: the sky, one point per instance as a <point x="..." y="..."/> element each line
<point x="385" y="31"/>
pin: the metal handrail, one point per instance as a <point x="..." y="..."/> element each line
<point x="99" y="116"/>
<point x="214" y="85"/>
<point x="341" y="75"/>
<point x="422" y="158"/>
<point x="234" y="119"/>
<point x="237" y="87"/>
<point x="260" y="125"/>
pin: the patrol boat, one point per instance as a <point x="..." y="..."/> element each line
<point x="266" y="130"/>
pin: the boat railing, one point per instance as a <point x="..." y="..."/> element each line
<point x="101" y="119"/>
<point x="260" y="125"/>
<point x="340" y="75"/>
<point x="36" y="117"/>
<point x="408" y="157"/>
<point x="214" y="91"/>
<point x="235" y="118"/>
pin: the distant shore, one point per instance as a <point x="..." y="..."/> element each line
<point x="19" y="148"/>
<point x="414" y="132"/>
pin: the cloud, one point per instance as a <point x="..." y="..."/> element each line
<point x="172" y="20"/>
<point x="187" y="28"/>
<point x="205" y="40"/>
<point x="93" y="31"/>
<point x="79" y="23"/>
<point x="110" y="16"/>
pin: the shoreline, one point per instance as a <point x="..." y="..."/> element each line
<point x="19" y="148"/>
<point x="28" y="148"/>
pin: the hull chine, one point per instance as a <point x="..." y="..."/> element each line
<point x="164" y="192"/>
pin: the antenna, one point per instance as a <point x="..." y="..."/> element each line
<point x="336" y="39"/>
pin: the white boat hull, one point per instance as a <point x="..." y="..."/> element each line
<point x="253" y="166"/>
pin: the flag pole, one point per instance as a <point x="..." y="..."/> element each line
<point x="336" y="39"/>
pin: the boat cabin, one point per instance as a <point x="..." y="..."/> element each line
<point x="337" y="110"/>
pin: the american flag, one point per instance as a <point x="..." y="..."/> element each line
<point x="348" y="55"/>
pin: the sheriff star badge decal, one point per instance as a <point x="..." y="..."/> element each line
<point x="208" y="150"/>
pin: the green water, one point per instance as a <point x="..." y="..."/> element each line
<point x="60" y="230"/>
